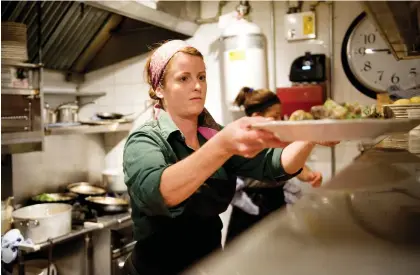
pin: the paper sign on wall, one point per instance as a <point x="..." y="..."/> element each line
<point x="237" y="55"/>
<point x="300" y="26"/>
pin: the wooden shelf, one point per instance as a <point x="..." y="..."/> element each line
<point x="89" y="129"/>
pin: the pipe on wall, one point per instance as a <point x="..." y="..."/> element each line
<point x="215" y="18"/>
<point x="330" y="71"/>
<point x="273" y="84"/>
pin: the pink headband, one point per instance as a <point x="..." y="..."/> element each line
<point x="161" y="57"/>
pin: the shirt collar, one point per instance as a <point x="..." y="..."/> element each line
<point x="168" y="126"/>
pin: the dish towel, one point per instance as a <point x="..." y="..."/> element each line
<point x="9" y="245"/>
<point x="293" y="190"/>
<point x="242" y="200"/>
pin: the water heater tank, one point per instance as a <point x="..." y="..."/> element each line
<point x="244" y="58"/>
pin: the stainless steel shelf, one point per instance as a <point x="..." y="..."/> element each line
<point x="89" y="129"/>
<point x="102" y="223"/>
<point x="21" y="137"/>
<point x="15" y="91"/>
<point x="73" y="234"/>
<point x="6" y="62"/>
<point x="50" y="92"/>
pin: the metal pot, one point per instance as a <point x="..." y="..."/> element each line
<point x="108" y="204"/>
<point x="68" y="112"/>
<point x="41" y="222"/>
<point x="49" y="114"/>
<point x="113" y="179"/>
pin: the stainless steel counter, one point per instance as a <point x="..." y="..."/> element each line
<point x="366" y="220"/>
<point x="103" y="222"/>
<point x="89" y="247"/>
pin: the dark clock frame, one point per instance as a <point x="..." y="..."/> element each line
<point x="345" y="61"/>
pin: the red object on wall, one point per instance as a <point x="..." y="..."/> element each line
<point x="300" y="98"/>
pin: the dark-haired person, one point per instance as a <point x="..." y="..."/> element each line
<point x="256" y="199"/>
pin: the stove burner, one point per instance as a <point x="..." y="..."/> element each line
<point x="82" y="212"/>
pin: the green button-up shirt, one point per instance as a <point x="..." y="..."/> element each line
<point x="159" y="143"/>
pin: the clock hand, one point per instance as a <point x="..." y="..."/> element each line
<point x="369" y="51"/>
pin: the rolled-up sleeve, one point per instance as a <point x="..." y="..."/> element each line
<point x="144" y="163"/>
<point x="266" y="166"/>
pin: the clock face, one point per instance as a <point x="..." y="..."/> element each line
<point x="369" y="63"/>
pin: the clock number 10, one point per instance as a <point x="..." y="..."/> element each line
<point x="369" y="38"/>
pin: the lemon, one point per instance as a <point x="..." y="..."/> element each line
<point x="402" y="102"/>
<point x="415" y="99"/>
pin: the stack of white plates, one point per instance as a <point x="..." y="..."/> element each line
<point x="396" y="141"/>
<point x="14" y="41"/>
<point x="401" y="111"/>
<point x="414" y="136"/>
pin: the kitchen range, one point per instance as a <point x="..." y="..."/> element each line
<point x="102" y="219"/>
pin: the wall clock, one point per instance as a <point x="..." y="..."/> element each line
<point x="369" y="63"/>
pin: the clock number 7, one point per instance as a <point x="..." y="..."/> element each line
<point x="381" y="73"/>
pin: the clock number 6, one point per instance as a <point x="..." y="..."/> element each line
<point x="395" y="79"/>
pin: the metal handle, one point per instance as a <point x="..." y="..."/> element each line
<point x="29" y="223"/>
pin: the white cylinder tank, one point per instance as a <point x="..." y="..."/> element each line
<point x="244" y="59"/>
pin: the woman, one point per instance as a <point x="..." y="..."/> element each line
<point x="181" y="167"/>
<point x="254" y="199"/>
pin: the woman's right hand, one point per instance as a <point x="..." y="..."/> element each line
<point x="238" y="138"/>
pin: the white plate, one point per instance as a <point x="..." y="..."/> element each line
<point x="336" y="130"/>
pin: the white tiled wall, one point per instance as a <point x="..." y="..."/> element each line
<point x="126" y="92"/>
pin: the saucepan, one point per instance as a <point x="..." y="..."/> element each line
<point x="85" y="189"/>
<point x="108" y="204"/>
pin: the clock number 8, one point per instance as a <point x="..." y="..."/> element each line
<point x="367" y="66"/>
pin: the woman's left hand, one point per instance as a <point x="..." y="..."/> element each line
<point x="315" y="178"/>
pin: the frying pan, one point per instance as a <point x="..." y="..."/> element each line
<point x="108" y="204"/>
<point x="85" y="189"/>
<point x="106" y="115"/>
<point x="68" y="198"/>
